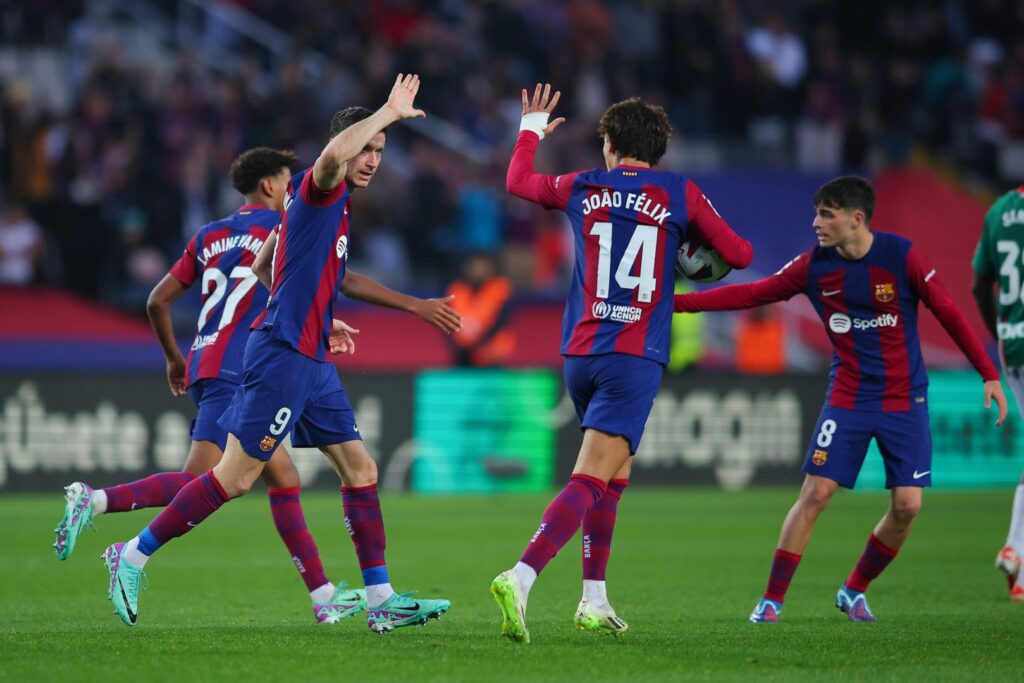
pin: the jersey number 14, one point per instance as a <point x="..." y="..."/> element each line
<point x="643" y="243"/>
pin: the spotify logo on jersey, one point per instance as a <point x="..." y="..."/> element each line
<point x="839" y="323"/>
<point x="342" y="246"/>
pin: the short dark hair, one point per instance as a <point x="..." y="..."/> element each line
<point x="848" y="192"/>
<point x="258" y="163"/>
<point x="636" y="129"/>
<point x="346" y="117"/>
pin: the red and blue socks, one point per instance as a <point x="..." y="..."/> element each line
<point x="873" y="562"/>
<point x="598" y="526"/>
<point x="199" y="499"/>
<point x="784" y="565"/>
<point x="561" y="519"/>
<point x="156" y="490"/>
<point x="291" y="526"/>
<point x="365" y="524"/>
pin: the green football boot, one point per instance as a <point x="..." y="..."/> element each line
<point x="513" y="607"/>
<point x="399" y="610"/>
<point x="125" y="580"/>
<point x="342" y="605"/>
<point x="77" y="516"/>
<point x="599" y="620"/>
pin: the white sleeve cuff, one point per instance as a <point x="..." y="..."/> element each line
<point x="536" y="121"/>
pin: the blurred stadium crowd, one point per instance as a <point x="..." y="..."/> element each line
<point x="118" y="120"/>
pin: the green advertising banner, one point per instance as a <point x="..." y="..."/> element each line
<point x="483" y="431"/>
<point x="968" y="451"/>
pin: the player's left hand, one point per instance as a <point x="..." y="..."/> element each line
<point x="176" y="376"/>
<point x="341" y="340"/>
<point x="437" y="312"/>
<point x="403" y="92"/>
<point x="994" y="391"/>
<point x="543" y="102"/>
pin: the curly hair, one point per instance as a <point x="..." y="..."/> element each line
<point x="636" y="129"/>
<point x="256" y="164"/>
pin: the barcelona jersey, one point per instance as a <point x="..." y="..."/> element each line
<point x="309" y="265"/>
<point x="628" y="224"/>
<point x="221" y="256"/>
<point x="869" y="308"/>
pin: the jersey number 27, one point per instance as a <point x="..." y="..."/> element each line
<point x="211" y="276"/>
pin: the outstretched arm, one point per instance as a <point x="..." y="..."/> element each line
<point x="158" y="309"/>
<point x="551" y="192"/>
<point x="785" y="284"/>
<point x="437" y="312"/>
<point x="329" y="169"/>
<point x="927" y="285"/>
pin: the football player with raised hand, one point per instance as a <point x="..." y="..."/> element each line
<point x="288" y="385"/>
<point x="628" y="222"/>
<point x="221" y="256"/>
<point x="865" y="286"/>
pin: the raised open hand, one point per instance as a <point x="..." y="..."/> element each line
<point x="543" y="102"/>
<point x="402" y="95"/>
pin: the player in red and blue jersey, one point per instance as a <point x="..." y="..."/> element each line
<point x="287" y="385"/>
<point x="628" y="221"/>
<point x="865" y="287"/>
<point x="220" y="257"/>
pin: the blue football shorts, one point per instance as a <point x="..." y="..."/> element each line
<point x="284" y="392"/>
<point x="613" y="392"/>
<point x="841" y="438"/>
<point x="211" y="397"/>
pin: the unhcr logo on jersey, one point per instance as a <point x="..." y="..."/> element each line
<point x="617" y="313"/>
<point x="1010" y="330"/>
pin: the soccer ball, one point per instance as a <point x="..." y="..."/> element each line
<point x="700" y="263"/>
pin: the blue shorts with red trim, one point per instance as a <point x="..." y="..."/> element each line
<point x="841" y="438"/>
<point x="613" y="392"/>
<point x="285" y="392"/>
<point x="212" y="397"/>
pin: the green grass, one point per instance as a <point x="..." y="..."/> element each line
<point x="224" y="603"/>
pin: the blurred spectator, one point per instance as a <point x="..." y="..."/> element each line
<point x="687" y="345"/>
<point x="483" y="298"/>
<point x="21" y="246"/>
<point x="760" y="342"/>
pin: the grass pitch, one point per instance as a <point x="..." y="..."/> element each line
<point x="224" y="603"/>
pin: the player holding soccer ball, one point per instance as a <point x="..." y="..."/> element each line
<point x="999" y="259"/>
<point x="865" y="287"/>
<point x="221" y="255"/>
<point x="628" y="221"/>
<point x="288" y="387"/>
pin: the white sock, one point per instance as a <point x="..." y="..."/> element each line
<point x="1016" y="537"/>
<point x="596" y="593"/>
<point x="132" y="553"/>
<point x="378" y="593"/>
<point x="99" y="502"/>
<point x="323" y="594"/>
<point x="525" y="576"/>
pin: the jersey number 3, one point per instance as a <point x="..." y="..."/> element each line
<point x="212" y="276"/>
<point x="644" y="243"/>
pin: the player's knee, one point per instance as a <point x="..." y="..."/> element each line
<point x="236" y="487"/>
<point x="363" y="473"/>
<point x="906" y="510"/>
<point x="815" y="498"/>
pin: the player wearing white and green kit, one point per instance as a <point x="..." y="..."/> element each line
<point x="999" y="259"/>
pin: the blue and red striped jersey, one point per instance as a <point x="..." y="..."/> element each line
<point x="869" y="309"/>
<point x="309" y="265"/>
<point x="221" y="255"/>
<point x="628" y="224"/>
